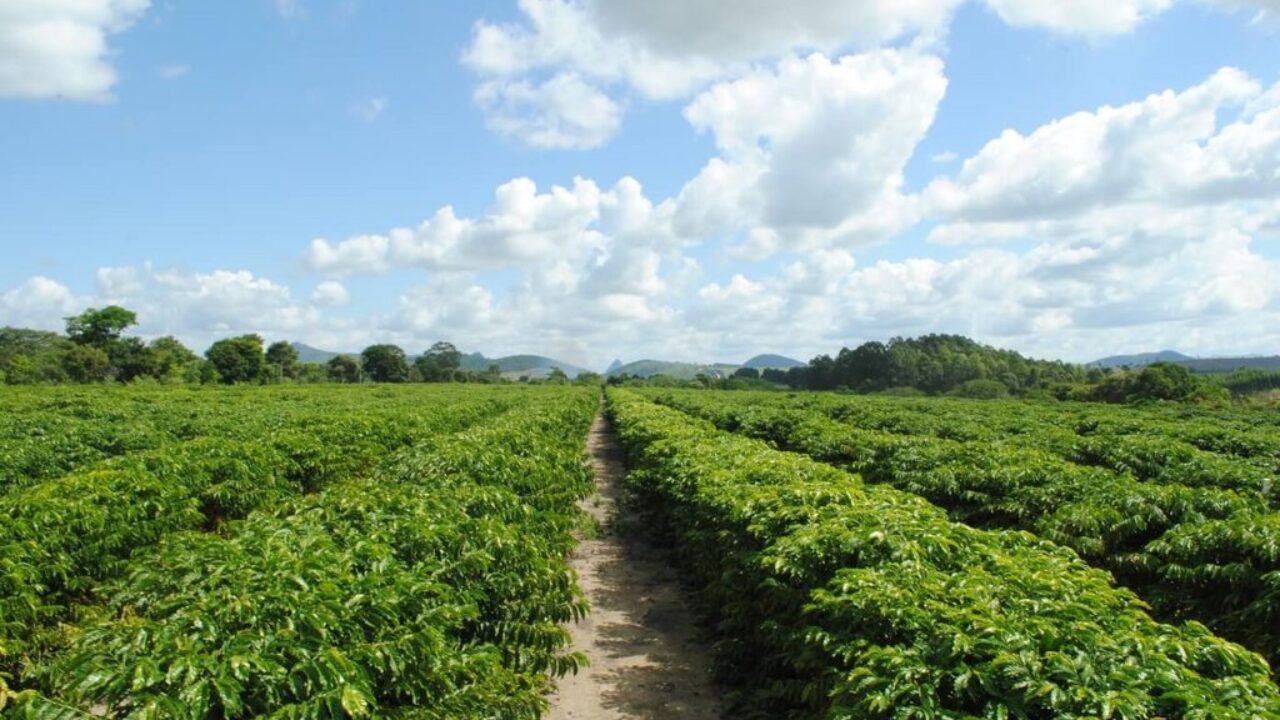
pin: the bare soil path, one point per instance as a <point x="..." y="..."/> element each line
<point x="646" y="657"/>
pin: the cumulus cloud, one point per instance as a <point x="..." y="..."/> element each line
<point x="813" y="151"/>
<point x="1169" y="150"/>
<point x="58" y="48"/>
<point x="670" y="49"/>
<point x="562" y="113"/>
<point x="330" y="293"/>
<point x="39" y="302"/>
<point x="523" y="226"/>
<point x="1082" y="17"/>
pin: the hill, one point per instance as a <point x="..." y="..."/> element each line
<point x="1199" y="365"/>
<point x="531" y="365"/>
<point x="1232" y="364"/>
<point x="679" y="370"/>
<point x="308" y="354"/>
<point x="777" y="362"/>
<point x="1141" y="359"/>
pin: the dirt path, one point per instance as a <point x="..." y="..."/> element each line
<point x="646" y="660"/>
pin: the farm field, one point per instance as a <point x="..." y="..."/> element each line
<point x="846" y="596"/>
<point x="308" y="552"/>
<point x="407" y="551"/>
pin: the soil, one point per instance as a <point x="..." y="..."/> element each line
<point x="647" y="659"/>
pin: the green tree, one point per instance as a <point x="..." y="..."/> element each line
<point x="100" y="327"/>
<point x="85" y="363"/>
<point x="343" y="369"/>
<point x="37" y="354"/>
<point x="588" y="379"/>
<point x="385" y="363"/>
<point x="557" y="376"/>
<point x="131" y="359"/>
<point x="173" y="361"/>
<point x="239" y="359"/>
<point x="747" y="373"/>
<point x="284" y="356"/>
<point x="1163" y="381"/>
<point x="439" y="363"/>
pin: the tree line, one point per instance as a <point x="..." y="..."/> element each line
<point x="95" y="348"/>
<point x="956" y="365"/>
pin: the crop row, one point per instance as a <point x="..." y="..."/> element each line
<point x="832" y="598"/>
<point x="63" y="537"/>
<point x="434" y="589"/>
<point x="46" y="433"/>
<point x="1166" y="445"/>
<point x="1201" y="553"/>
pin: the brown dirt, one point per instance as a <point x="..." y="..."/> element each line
<point x="646" y="657"/>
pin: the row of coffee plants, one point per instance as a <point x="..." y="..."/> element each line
<point x="62" y="537"/>
<point x="48" y="432"/>
<point x="433" y="589"/>
<point x="1156" y="443"/>
<point x="1193" y="552"/>
<point x="832" y="598"/>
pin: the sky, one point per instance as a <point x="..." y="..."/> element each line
<point x="666" y="179"/>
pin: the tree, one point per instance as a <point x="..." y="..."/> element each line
<point x="28" y="356"/>
<point x="284" y="356"/>
<point x="775" y="376"/>
<point x="131" y="359"/>
<point x="557" y="376"/>
<point x="343" y="369"/>
<point x="747" y="373"/>
<point x="238" y="359"/>
<point x="100" y="328"/>
<point x="385" y="363"/>
<point x="85" y="363"/>
<point x="588" y="379"/>
<point x="439" y="362"/>
<point x="172" y="360"/>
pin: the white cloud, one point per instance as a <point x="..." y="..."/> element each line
<point x="1082" y="17"/>
<point x="813" y="151"/>
<point x="40" y="302"/>
<point x="330" y="293"/>
<point x="58" y="48"/>
<point x="290" y="9"/>
<point x="172" y="72"/>
<point x="360" y="254"/>
<point x="562" y="113"/>
<point x="1161" y="154"/>
<point x="944" y="157"/>
<point x="370" y="109"/>
<point x="672" y="49"/>
<point x="523" y="226"/>
<point x="1264" y="12"/>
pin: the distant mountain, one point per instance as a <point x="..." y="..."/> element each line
<point x="613" y="367"/>
<point x="1141" y="359"/>
<point x="308" y="354"/>
<point x="1199" y="365"/>
<point x="777" y="362"/>
<point x="680" y="370"/>
<point x="1231" y="364"/>
<point x="532" y="365"/>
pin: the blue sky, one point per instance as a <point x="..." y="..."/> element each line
<point x="229" y="168"/>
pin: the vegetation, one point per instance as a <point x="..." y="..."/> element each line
<point x="302" y="552"/>
<point x="95" y="350"/>
<point x="836" y="599"/>
<point x="1180" y="509"/>
<point x="931" y="363"/>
